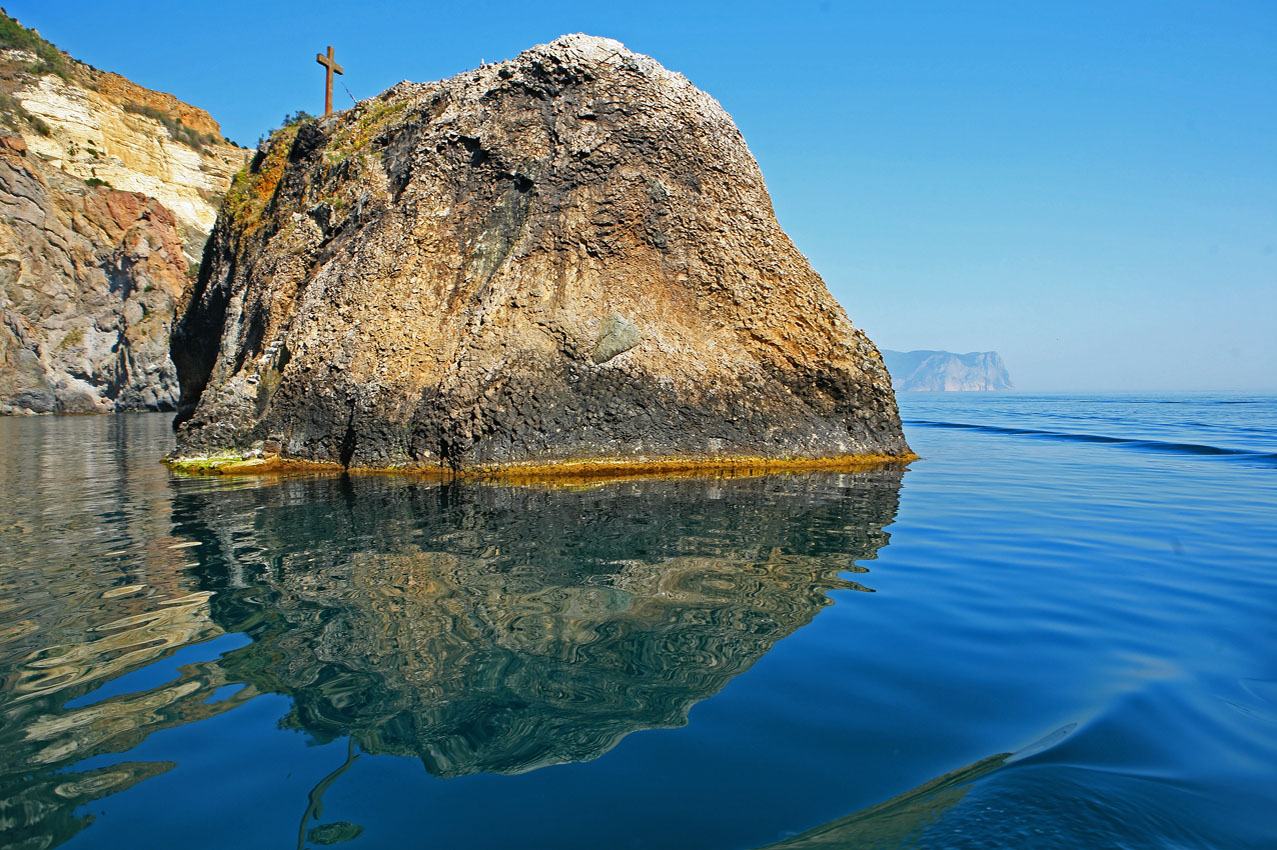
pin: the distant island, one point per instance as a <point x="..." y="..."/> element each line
<point x="944" y="371"/>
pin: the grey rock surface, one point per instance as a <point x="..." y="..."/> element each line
<point x="89" y="282"/>
<point x="617" y="336"/>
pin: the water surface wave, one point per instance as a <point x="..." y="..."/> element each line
<point x="1065" y="646"/>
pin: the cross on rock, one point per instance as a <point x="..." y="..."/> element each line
<point x="333" y="68"/>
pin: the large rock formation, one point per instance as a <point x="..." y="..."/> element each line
<point x="567" y="256"/>
<point x="108" y="191"/>
<point x="944" y="371"/>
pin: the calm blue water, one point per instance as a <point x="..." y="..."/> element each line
<point x="1056" y="630"/>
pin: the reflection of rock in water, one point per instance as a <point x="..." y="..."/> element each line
<point x="92" y="588"/>
<point x="503" y="629"/>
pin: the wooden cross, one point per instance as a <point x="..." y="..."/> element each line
<point x="333" y="68"/>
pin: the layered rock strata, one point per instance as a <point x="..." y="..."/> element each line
<point x="90" y="278"/>
<point x="570" y="256"/>
<point x="108" y="191"/>
<point x="101" y="127"/>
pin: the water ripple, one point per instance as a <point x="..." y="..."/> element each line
<point x="1264" y="458"/>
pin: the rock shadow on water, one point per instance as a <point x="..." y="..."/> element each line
<point x="496" y="629"/>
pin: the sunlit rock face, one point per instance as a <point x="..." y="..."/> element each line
<point x="96" y="135"/>
<point x="89" y="281"/>
<point x="502" y="629"/>
<point x="568" y="256"/>
<point x="107" y="193"/>
<point x="95" y="125"/>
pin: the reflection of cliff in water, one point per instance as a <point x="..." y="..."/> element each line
<point x="502" y="629"/>
<point x="92" y="588"/>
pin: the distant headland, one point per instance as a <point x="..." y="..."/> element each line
<point x="944" y="371"/>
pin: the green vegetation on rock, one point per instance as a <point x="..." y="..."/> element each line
<point x="14" y="117"/>
<point x="49" y="60"/>
<point x="371" y="121"/>
<point x="179" y="131"/>
<point x="74" y="338"/>
<point x="252" y="188"/>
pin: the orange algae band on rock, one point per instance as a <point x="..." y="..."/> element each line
<point x="524" y="263"/>
<point x="567" y="471"/>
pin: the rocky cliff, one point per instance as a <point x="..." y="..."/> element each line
<point x="89" y="281"/>
<point x="569" y="256"/>
<point x="100" y="127"/>
<point x="941" y="371"/>
<point x="107" y="192"/>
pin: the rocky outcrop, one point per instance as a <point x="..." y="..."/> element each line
<point x="89" y="280"/>
<point x="569" y="256"/>
<point x="108" y="191"/>
<point x="944" y="371"/>
<point x="94" y="138"/>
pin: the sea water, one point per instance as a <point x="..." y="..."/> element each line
<point x="1057" y="629"/>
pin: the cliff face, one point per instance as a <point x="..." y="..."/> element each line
<point x="567" y="256"/>
<point x="99" y="126"/>
<point x="108" y="191"/>
<point x="941" y="371"/>
<point x="89" y="281"/>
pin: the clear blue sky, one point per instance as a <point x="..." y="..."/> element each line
<point x="1088" y="188"/>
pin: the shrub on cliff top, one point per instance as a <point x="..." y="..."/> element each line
<point x="14" y="36"/>
<point x="253" y="187"/>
